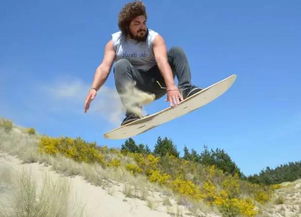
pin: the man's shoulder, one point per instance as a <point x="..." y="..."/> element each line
<point x="151" y="31"/>
<point x="116" y="34"/>
<point x="116" y="37"/>
<point x="152" y="35"/>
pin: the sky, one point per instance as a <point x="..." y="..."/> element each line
<point x="49" y="51"/>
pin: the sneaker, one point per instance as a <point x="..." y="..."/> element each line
<point x="189" y="91"/>
<point x="129" y="117"/>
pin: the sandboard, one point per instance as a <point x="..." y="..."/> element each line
<point x="188" y="105"/>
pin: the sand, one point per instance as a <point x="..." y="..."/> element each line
<point x="97" y="202"/>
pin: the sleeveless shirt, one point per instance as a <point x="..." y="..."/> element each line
<point x="140" y="54"/>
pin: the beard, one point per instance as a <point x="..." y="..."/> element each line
<point x="138" y="37"/>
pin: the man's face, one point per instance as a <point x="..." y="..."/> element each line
<point x="138" y="29"/>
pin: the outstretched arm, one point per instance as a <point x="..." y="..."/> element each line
<point x="101" y="73"/>
<point x="160" y="52"/>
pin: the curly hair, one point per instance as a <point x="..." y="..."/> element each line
<point x="128" y="13"/>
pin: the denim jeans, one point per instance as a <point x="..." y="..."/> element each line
<point x="151" y="81"/>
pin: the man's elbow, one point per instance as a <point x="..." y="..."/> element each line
<point x="161" y="60"/>
<point x="102" y="70"/>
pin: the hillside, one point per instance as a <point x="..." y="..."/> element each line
<point x="88" y="180"/>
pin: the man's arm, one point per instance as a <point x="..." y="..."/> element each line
<point x="160" y="52"/>
<point x="103" y="70"/>
<point x="101" y="73"/>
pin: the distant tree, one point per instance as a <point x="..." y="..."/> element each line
<point x="165" y="146"/>
<point x="220" y="159"/>
<point x="131" y="146"/>
<point x="144" y="149"/>
<point x="283" y="173"/>
<point x="193" y="156"/>
<point x="187" y="155"/>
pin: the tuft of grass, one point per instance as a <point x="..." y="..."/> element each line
<point x="152" y="204"/>
<point x="111" y="191"/>
<point x="166" y="202"/>
<point x="279" y="200"/>
<point x="144" y="194"/>
<point x="27" y="199"/>
<point x="179" y="212"/>
<point x="31" y="131"/>
<point x="7" y="125"/>
<point x="128" y="191"/>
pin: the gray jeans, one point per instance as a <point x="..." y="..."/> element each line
<point x="147" y="81"/>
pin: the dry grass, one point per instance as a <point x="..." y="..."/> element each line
<point x="21" y="196"/>
<point x="286" y="201"/>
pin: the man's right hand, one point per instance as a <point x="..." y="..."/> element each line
<point x="91" y="95"/>
<point x="174" y="97"/>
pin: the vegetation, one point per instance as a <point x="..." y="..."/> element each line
<point x="165" y="146"/>
<point x="189" y="178"/>
<point x="31" y="131"/>
<point x="77" y="149"/>
<point x="218" y="158"/>
<point x="209" y="177"/>
<point x="283" y="173"/>
<point x="23" y="198"/>
<point x="130" y="146"/>
<point x="7" y="125"/>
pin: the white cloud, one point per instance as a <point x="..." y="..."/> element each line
<point x="68" y="94"/>
<point x="70" y="88"/>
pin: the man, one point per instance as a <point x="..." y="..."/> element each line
<point x="140" y="58"/>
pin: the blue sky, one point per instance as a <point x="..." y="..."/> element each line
<point x="50" y="49"/>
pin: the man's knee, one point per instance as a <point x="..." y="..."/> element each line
<point x="175" y="52"/>
<point x="122" y="66"/>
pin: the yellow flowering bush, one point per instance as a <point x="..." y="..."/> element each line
<point x="209" y="192"/>
<point x="146" y="162"/>
<point x="227" y="199"/>
<point x="262" y="196"/>
<point x="157" y="176"/>
<point x="275" y="186"/>
<point x="49" y="145"/>
<point x="236" y="207"/>
<point x="77" y="149"/>
<point x="186" y="187"/>
<point x="114" y="163"/>
<point x="133" y="168"/>
<point x="232" y="186"/>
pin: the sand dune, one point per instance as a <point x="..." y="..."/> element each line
<point x="286" y="201"/>
<point x="96" y="201"/>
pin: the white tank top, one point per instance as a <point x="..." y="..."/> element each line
<point x="140" y="54"/>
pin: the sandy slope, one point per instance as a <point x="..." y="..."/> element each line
<point x="112" y="202"/>
<point x="286" y="201"/>
<point x="97" y="201"/>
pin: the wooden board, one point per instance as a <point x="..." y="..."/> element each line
<point x="188" y="105"/>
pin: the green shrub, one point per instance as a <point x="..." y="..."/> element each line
<point x="31" y="131"/>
